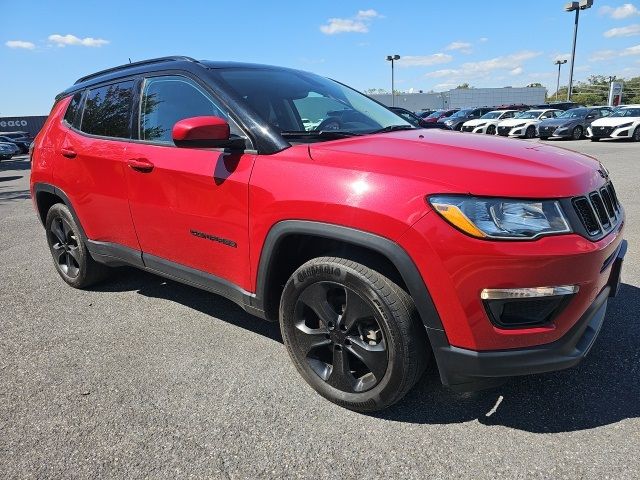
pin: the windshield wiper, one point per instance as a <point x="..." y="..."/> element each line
<point x="328" y="134"/>
<point x="393" y="128"/>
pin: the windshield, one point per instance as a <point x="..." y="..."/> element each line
<point x="574" y="113"/>
<point x="492" y="115"/>
<point x="461" y="113"/>
<point x="529" y="114"/>
<point x="283" y="98"/>
<point x="626" y="112"/>
<point x="436" y="114"/>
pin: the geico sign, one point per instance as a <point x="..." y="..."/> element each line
<point x="13" y="123"/>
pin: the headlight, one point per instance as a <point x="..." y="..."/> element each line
<point x="501" y="218"/>
<point x="480" y="125"/>
<point x="520" y="125"/>
<point x="625" y="125"/>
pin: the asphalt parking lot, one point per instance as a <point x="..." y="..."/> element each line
<point x="143" y="377"/>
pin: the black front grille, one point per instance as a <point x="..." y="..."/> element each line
<point x="467" y="129"/>
<point x="598" y="211"/>
<point x="601" y="131"/>
<point x="504" y="131"/>
<point x="547" y="130"/>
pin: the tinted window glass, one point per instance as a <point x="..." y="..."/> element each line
<point x="107" y="110"/>
<point x="167" y="100"/>
<point x="72" y="109"/>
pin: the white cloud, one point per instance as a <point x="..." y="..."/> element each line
<point x="64" y="40"/>
<point x="358" y="24"/>
<point x="366" y="14"/>
<point x="471" y="71"/>
<point x="424" y="60"/>
<point x="484" y="39"/>
<point x="464" y="47"/>
<point x="602" y="55"/>
<point x="628" y="31"/>
<point x="20" y="44"/>
<point x="625" y="11"/>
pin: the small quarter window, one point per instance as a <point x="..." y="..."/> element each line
<point x="107" y="110"/>
<point x="71" y="114"/>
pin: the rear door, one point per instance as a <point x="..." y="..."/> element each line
<point x="90" y="161"/>
<point x="190" y="206"/>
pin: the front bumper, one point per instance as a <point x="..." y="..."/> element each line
<point x="465" y="369"/>
<point x="609" y="132"/>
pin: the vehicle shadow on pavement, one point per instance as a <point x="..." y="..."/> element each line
<point x="19" y="164"/>
<point x="150" y="285"/>
<point x="603" y="389"/>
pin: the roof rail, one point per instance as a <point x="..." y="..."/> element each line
<point x="136" y="64"/>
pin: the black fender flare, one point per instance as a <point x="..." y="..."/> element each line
<point x="48" y="188"/>
<point x="390" y="249"/>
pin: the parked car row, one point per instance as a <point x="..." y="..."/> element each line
<point x="557" y="120"/>
<point x="16" y="143"/>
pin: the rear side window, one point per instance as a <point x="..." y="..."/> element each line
<point x="167" y="100"/>
<point x="107" y="110"/>
<point x="71" y="114"/>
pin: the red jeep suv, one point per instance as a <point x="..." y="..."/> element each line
<point x="377" y="246"/>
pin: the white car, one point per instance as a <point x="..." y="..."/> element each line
<point x="487" y="123"/>
<point x="624" y="122"/>
<point x="525" y="124"/>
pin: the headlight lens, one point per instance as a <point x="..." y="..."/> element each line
<point x="501" y="218"/>
<point x="625" y="125"/>
<point x="520" y="125"/>
<point x="480" y="125"/>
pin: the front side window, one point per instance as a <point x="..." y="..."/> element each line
<point x="167" y="100"/>
<point x="107" y="110"/>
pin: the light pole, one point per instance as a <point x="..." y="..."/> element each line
<point x="392" y="58"/>
<point x="559" y="63"/>
<point x="570" y="7"/>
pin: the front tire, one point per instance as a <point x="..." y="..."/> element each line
<point x="576" y="133"/>
<point x="71" y="258"/>
<point x="491" y="130"/>
<point x="530" y="132"/>
<point x="352" y="333"/>
<point x="636" y="134"/>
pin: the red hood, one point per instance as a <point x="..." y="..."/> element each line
<point x="469" y="163"/>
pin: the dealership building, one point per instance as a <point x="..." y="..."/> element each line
<point x="466" y="97"/>
<point x="32" y="125"/>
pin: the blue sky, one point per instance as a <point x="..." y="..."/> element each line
<point x="443" y="44"/>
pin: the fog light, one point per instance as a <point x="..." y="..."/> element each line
<point x="526" y="307"/>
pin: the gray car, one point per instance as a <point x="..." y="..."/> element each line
<point x="571" y="123"/>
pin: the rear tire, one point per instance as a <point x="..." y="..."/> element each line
<point x="71" y="258"/>
<point x="353" y="334"/>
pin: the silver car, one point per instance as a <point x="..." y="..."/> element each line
<point x="8" y="150"/>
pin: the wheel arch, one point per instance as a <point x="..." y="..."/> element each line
<point x="269" y="274"/>
<point x="46" y="196"/>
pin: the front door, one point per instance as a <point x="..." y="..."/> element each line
<point x="189" y="205"/>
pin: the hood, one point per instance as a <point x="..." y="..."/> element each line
<point x="453" y="162"/>
<point x="614" y="121"/>
<point x="512" y="122"/>
<point x="477" y="121"/>
<point x="556" y="122"/>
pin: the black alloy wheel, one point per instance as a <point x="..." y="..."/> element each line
<point x="71" y="258"/>
<point x="491" y="130"/>
<point x="636" y="134"/>
<point x="65" y="247"/>
<point x="340" y="337"/>
<point x="576" y="133"/>
<point x="352" y="333"/>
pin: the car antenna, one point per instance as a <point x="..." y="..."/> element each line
<point x="129" y="59"/>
